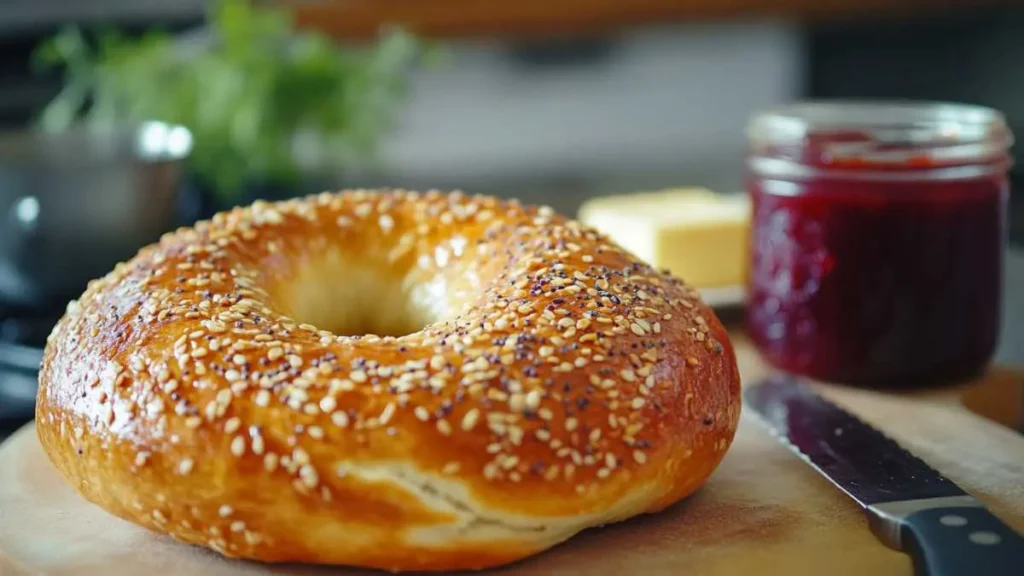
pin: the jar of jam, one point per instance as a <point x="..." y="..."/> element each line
<point x="878" y="239"/>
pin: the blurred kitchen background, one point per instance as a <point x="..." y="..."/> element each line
<point x="557" y="100"/>
<point x="554" y="101"/>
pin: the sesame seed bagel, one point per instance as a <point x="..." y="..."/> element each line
<point x="386" y="379"/>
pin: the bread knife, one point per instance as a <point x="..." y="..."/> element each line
<point x="910" y="506"/>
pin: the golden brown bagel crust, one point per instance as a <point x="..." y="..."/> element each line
<point x="560" y="383"/>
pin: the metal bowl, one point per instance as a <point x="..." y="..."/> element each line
<point x="74" y="203"/>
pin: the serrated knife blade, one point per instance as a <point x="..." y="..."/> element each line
<point x="910" y="506"/>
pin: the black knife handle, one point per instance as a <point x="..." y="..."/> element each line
<point x="962" y="541"/>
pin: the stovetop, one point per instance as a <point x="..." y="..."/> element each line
<point x="22" y="337"/>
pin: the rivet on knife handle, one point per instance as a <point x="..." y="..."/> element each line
<point x="951" y="537"/>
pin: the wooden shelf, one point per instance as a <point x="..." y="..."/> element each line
<point x="453" y="18"/>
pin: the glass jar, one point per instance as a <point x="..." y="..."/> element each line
<point x="878" y="238"/>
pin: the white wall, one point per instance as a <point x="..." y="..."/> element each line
<point x="668" y="105"/>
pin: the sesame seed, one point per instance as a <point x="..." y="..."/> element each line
<point x="517" y="402"/>
<point x="638" y="403"/>
<point x="214" y="326"/>
<point x="274" y="354"/>
<point x="569" y="470"/>
<point x="491" y="470"/>
<point x="232" y="425"/>
<point x="295" y="361"/>
<point x="185" y="466"/>
<point x="223" y="396"/>
<point x="387" y="413"/>
<point x="637" y="329"/>
<point x="552" y="472"/>
<point x="300" y="456"/>
<point x="342" y="385"/>
<point x="609" y="461"/>
<point x="315" y="432"/>
<point x="225" y="511"/>
<point x="470" y="419"/>
<point x="340" y="419"/>
<point x="328" y="404"/>
<point x="358" y="376"/>
<point x="270" y="462"/>
<point x="571" y="423"/>
<point x="238" y="446"/>
<point x="533" y="400"/>
<point x="444" y="427"/>
<point x="309" y="476"/>
<point x="262" y="398"/>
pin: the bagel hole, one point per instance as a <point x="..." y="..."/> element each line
<point x="355" y="299"/>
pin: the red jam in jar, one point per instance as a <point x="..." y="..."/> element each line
<point x="878" y="239"/>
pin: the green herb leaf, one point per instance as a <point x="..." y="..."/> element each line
<point x="248" y="93"/>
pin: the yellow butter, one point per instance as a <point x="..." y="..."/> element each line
<point x="699" y="235"/>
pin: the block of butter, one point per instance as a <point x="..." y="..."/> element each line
<point x="699" y="235"/>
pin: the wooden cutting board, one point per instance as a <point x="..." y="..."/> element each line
<point x="763" y="511"/>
